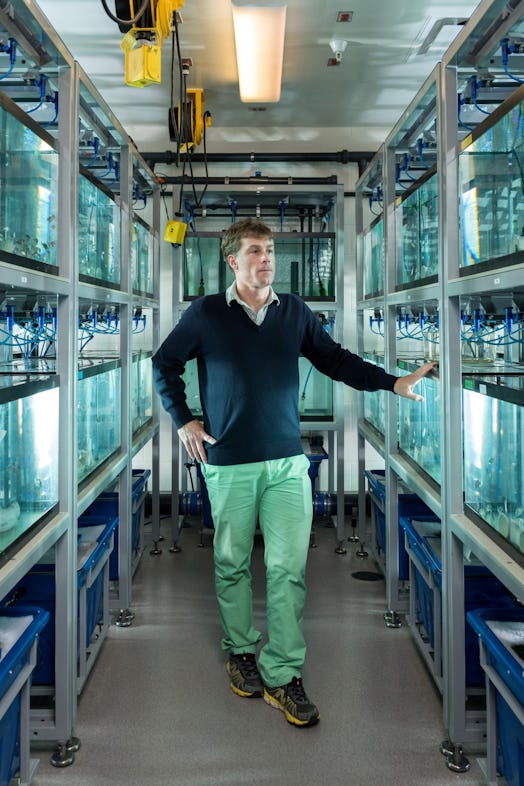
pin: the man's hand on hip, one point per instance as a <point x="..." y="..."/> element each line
<point x="193" y="435"/>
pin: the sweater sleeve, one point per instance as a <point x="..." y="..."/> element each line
<point x="169" y="362"/>
<point x="340" y="364"/>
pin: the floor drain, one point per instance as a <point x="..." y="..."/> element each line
<point x="367" y="575"/>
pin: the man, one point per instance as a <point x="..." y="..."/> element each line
<point x="247" y="343"/>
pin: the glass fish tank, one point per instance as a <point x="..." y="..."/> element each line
<point x="373" y="258"/>
<point x="375" y="401"/>
<point x="28" y="452"/>
<point x="98" y="232"/>
<point x="419" y="423"/>
<point x="493" y="418"/>
<point x="98" y="413"/>
<point x="142" y="257"/>
<point x="141" y="390"/>
<point x="490" y="189"/>
<point x="416" y="216"/>
<point x="29" y="193"/>
<point x="305" y="264"/>
<point x="315" y="389"/>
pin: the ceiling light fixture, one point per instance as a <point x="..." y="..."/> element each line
<point x="259" y="41"/>
<point x="338" y="47"/>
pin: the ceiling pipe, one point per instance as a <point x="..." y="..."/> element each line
<point x="361" y="158"/>
<point x="248" y="181"/>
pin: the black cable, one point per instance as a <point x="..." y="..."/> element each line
<point x="129" y="22"/>
<point x="199" y="201"/>
<point x="163" y="188"/>
<point x="178" y="127"/>
<point x="174" y="123"/>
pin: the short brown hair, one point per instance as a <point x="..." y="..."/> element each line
<point x="233" y="235"/>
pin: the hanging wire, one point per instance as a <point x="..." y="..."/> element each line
<point x="177" y="127"/>
<point x="163" y="189"/>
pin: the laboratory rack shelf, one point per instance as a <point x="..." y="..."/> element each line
<point x="57" y="265"/>
<point x="469" y="300"/>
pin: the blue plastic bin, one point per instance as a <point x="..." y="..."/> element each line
<point x="481" y="588"/>
<point x="408" y="505"/>
<point x="509" y="668"/>
<point x="107" y="505"/>
<point x="38" y="587"/>
<point x="15" y="671"/>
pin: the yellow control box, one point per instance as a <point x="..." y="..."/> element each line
<point x="143" y="66"/>
<point x="175" y="232"/>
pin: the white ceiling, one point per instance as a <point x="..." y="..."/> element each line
<point x="351" y="106"/>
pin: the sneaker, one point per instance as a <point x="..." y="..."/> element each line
<point x="245" y="678"/>
<point x="293" y="702"/>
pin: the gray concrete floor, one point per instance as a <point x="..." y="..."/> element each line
<point x="157" y="708"/>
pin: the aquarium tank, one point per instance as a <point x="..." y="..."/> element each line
<point x="305" y="265"/>
<point x="98" y="232"/>
<point x="373" y="258"/>
<point x="29" y="193"/>
<point x="491" y="204"/>
<point x="98" y="413"/>
<point x="142" y="257"/>
<point x="28" y="453"/>
<point x="493" y="437"/>
<point x="416" y="216"/>
<point x="375" y="401"/>
<point x="141" y="390"/>
<point x="419" y="423"/>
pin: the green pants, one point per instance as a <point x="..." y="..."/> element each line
<point x="278" y="492"/>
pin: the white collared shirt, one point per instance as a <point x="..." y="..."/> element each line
<point x="257" y="316"/>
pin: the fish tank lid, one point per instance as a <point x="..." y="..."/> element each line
<point x="14" y="387"/>
<point x="414" y="363"/>
<point x="495" y="116"/>
<point x="140" y="221"/>
<point x="432" y="170"/>
<point x="141" y="354"/>
<point x="34" y="366"/>
<point x="90" y="175"/>
<point x="13" y="109"/>
<point x="379" y="219"/>
<point x="92" y="366"/>
<point x="505" y="387"/>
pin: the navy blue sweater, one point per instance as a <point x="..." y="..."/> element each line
<point x="248" y="374"/>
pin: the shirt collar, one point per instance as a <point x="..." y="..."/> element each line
<point x="232" y="294"/>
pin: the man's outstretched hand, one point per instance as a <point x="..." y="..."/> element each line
<point x="404" y="386"/>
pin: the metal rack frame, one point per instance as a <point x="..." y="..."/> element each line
<point x="476" y="41"/>
<point x="79" y="98"/>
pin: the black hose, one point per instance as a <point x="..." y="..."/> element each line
<point x="126" y="22"/>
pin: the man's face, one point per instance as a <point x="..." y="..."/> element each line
<point x="254" y="263"/>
